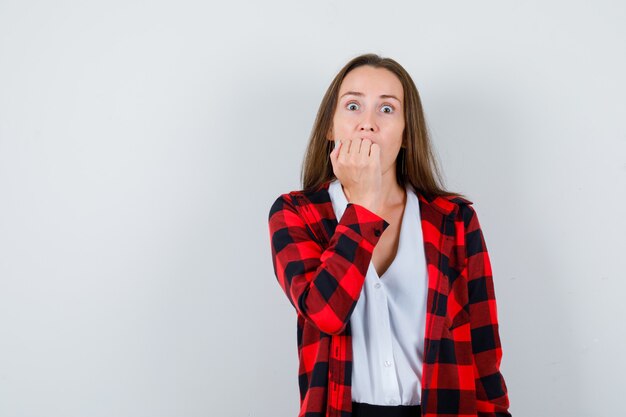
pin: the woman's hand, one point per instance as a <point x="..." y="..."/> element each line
<point x="356" y="164"/>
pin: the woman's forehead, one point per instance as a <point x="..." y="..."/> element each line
<point x="364" y="81"/>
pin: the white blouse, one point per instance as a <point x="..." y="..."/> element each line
<point x="389" y="321"/>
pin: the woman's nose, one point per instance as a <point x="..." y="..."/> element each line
<point x="367" y="123"/>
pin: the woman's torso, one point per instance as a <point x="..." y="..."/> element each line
<point x="387" y="246"/>
<point x="388" y="321"/>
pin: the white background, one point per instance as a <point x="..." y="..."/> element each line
<point x="143" y="142"/>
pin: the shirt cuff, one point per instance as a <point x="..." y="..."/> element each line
<point x="364" y="222"/>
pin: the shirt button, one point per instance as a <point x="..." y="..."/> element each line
<point x="387" y="363"/>
<point x="377" y="285"/>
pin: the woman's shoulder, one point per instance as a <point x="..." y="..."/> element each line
<point x="315" y="194"/>
<point x="300" y="197"/>
<point x="457" y="199"/>
<point x="444" y="202"/>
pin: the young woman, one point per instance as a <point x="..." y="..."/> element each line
<point x="389" y="273"/>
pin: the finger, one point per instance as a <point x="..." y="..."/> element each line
<point x="366" y="144"/>
<point x="353" y="153"/>
<point x="375" y="151"/>
<point x="335" y="150"/>
<point x="340" y="147"/>
<point x="334" y="155"/>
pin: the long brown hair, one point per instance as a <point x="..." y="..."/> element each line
<point x="415" y="162"/>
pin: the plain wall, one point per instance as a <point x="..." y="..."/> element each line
<point x="142" y="144"/>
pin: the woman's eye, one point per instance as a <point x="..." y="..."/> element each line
<point x="349" y="106"/>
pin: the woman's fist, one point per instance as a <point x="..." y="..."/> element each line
<point x="356" y="164"/>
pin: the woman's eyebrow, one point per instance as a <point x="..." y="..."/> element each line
<point x="359" y="94"/>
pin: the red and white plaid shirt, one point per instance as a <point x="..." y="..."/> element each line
<point x="321" y="264"/>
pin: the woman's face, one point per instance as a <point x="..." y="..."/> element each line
<point x="370" y="105"/>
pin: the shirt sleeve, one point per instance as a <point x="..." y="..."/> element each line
<point x="491" y="390"/>
<point x="323" y="285"/>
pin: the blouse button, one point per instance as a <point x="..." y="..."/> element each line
<point x="377" y="232"/>
<point x="377" y="285"/>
